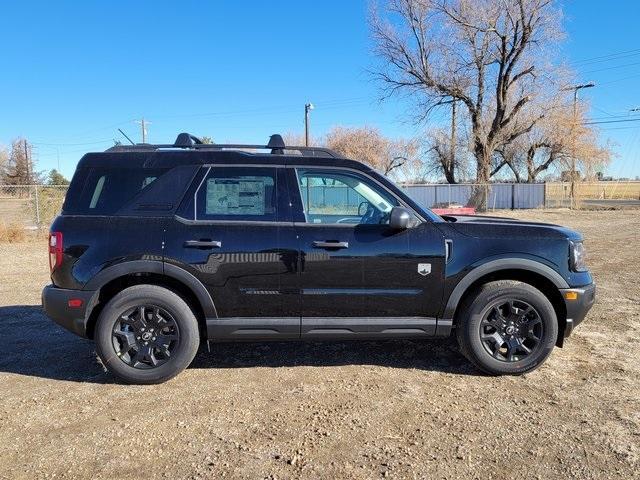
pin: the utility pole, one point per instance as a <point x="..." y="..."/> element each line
<point x="307" y="108"/>
<point x="453" y="134"/>
<point x="575" y="89"/>
<point x="26" y="158"/>
<point x="143" y="125"/>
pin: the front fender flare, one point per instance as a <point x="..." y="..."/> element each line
<point x="496" y="266"/>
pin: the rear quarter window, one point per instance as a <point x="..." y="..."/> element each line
<point x="104" y="191"/>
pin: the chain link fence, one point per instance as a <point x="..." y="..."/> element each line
<point x="32" y="206"/>
<point x="35" y="206"/>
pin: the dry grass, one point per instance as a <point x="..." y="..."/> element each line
<point x="12" y="233"/>
<point x="594" y="191"/>
<point x="16" y="211"/>
<point x="17" y="233"/>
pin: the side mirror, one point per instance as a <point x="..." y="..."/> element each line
<point x="399" y="218"/>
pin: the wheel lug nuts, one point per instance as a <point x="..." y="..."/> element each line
<point x="138" y="338"/>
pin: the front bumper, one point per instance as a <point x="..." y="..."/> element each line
<point x="55" y="302"/>
<point x="577" y="308"/>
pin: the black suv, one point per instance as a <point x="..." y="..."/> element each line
<point x="161" y="247"/>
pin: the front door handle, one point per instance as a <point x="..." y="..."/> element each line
<point x="321" y="244"/>
<point x="203" y="244"/>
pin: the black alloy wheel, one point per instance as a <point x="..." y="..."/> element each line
<point x="145" y="336"/>
<point x="511" y="329"/>
<point x="506" y="327"/>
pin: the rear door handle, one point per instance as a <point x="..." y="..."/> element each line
<point x="320" y="244"/>
<point x="203" y="244"/>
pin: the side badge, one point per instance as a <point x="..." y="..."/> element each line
<point x="424" y="269"/>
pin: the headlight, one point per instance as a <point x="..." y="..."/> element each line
<point x="577" y="257"/>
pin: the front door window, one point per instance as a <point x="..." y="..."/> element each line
<point x="340" y="197"/>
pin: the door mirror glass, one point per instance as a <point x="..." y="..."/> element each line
<point x="399" y="218"/>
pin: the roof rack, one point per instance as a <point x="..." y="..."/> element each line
<point x="187" y="141"/>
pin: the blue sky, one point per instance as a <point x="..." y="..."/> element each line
<point x="74" y="72"/>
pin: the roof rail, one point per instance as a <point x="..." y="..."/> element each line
<point x="187" y="141"/>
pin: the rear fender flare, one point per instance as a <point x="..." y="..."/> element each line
<point x="160" y="268"/>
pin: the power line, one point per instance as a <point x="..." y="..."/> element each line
<point x="273" y="109"/>
<point x="63" y="152"/>
<point x="611" y="68"/>
<point x="619" y="128"/>
<point x="608" y="57"/>
<point x="618" y="80"/>
<point x="97" y="129"/>
<point x="627" y="116"/>
<point x="613" y="121"/>
<point x="71" y="144"/>
<point x="602" y="111"/>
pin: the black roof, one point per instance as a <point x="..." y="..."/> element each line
<point x="168" y="159"/>
<point x="186" y="141"/>
<point x="188" y="150"/>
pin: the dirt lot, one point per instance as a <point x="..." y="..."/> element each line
<point x="335" y="410"/>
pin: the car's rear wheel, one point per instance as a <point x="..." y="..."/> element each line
<point x="146" y="334"/>
<point x="507" y="327"/>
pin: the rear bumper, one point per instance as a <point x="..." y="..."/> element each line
<point x="577" y="309"/>
<point x="55" y="302"/>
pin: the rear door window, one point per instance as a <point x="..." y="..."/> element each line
<point x="237" y="193"/>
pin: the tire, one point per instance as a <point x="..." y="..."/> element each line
<point x="515" y="313"/>
<point x="146" y="334"/>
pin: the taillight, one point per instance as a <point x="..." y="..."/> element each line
<point x="55" y="250"/>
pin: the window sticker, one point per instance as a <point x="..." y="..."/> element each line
<point x="233" y="196"/>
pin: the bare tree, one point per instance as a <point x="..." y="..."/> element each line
<point x="582" y="144"/>
<point x="553" y="142"/>
<point x="4" y="158"/>
<point x="508" y="155"/>
<point x="487" y="54"/>
<point x="19" y="167"/>
<point x="445" y="156"/>
<point x="368" y="145"/>
<point x="297" y="139"/>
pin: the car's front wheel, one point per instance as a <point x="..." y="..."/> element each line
<point x="507" y="327"/>
<point x="146" y="334"/>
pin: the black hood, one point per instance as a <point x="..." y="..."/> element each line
<point x="486" y="226"/>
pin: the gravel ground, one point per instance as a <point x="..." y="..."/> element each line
<point x="332" y="410"/>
